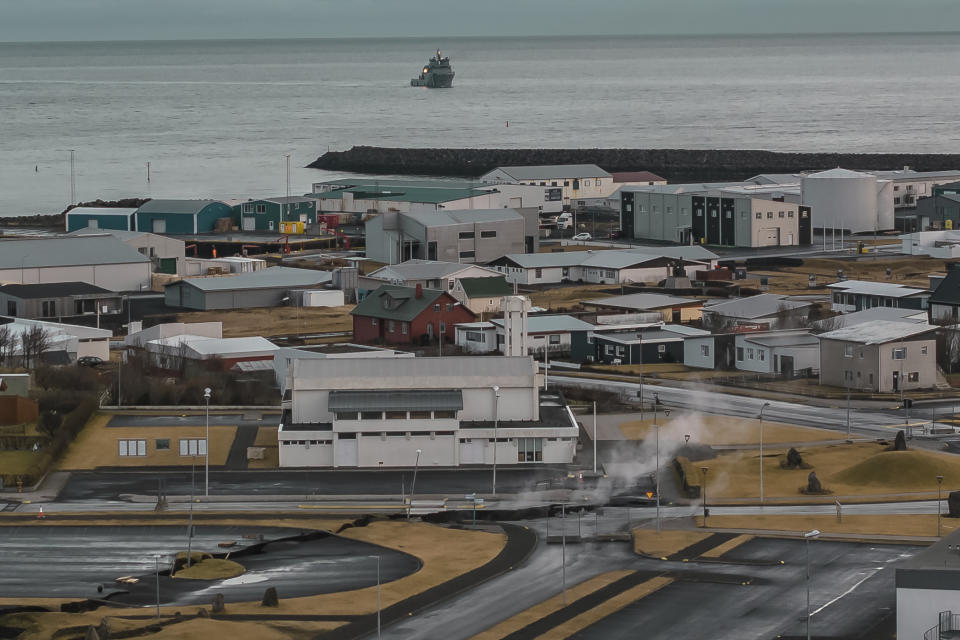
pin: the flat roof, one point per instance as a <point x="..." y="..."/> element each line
<point x="271" y="277"/>
<point x="417" y="269"/>
<point x="758" y="306"/>
<point x="551" y="324"/>
<point x="102" y="211"/>
<point x="52" y="290"/>
<point x="453" y="217"/>
<point x="65" y="251"/>
<point x="548" y="171"/>
<point x="878" y="332"/>
<point x="642" y="301"/>
<point x="869" y="287"/>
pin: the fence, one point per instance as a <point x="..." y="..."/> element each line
<point x="948" y="627"/>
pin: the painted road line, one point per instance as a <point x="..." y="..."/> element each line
<point x="729" y="545"/>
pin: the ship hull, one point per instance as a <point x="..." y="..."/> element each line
<point x="434" y="81"/>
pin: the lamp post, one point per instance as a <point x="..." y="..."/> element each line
<point x="206" y="447"/>
<point x="807" y="536"/>
<point x="703" y="471"/>
<point x="594" y="437"/>
<point x="496" y="425"/>
<point x="656" y="476"/>
<point x="939" y="487"/>
<point x="378" y="597"/>
<point x="762" y="407"/>
<point x="157" y="560"/>
<point x="413" y="486"/>
<point x="563" y="545"/>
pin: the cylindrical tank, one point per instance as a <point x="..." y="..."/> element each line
<point x="844" y="199"/>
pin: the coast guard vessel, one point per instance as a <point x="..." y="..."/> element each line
<point x="436" y="74"/>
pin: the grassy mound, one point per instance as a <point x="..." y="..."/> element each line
<point x="911" y="470"/>
<point x="212" y="569"/>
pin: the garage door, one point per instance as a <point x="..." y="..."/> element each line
<point x="159" y="225"/>
<point x="770" y="237"/>
<point x="249" y="223"/>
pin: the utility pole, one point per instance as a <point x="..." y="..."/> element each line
<point x="73" y="177"/>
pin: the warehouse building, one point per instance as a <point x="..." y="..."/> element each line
<point x="167" y="255"/>
<point x="724" y="215"/>
<point x="103" y="261"/>
<point x="576" y="181"/>
<point x="267" y="214"/>
<point x="265" y="288"/>
<point x="111" y="218"/>
<point x="58" y="300"/>
<point x="424" y="412"/>
<point x="429" y="274"/>
<point x="64" y="343"/>
<point x="465" y="236"/>
<point x="181" y="216"/>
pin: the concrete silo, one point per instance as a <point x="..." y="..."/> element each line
<point x="844" y="199"/>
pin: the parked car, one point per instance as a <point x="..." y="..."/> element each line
<point x="616" y="234"/>
<point x="90" y="361"/>
<point x="582" y="236"/>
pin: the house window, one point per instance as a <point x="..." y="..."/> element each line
<point x="404" y="326"/>
<point x="436" y="308"/>
<point x="913" y="376"/>
<point x="529" y="449"/>
<point x="390" y="326"/>
<point x="193" y="447"/>
<point x="566" y="183"/>
<point x="923" y="350"/>
<point x="396" y="415"/>
<point x="49" y="308"/>
<point x="161" y="444"/>
<point x="555" y="339"/>
<point x="749" y="354"/>
<point x="444" y="415"/>
<point x="488" y="234"/>
<point x="247" y="207"/>
<point x="705" y="350"/>
<point x="419" y="415"/>
<point x="373" y="322"/>
<point x="451" y="284"/>
<point x="769" y="215"/>
<point x="443" y="327"/>
<point x="468" y="254"/>
<point x="538" y="273"/>
<point x="900" y="353"/>
<point x="261" y="208"/>
<point x="740" y="354"/>
<point x="474" y="336"/>
<point x="11" y="308"/>
<point x="781" y="215"/>
<point x="466" y="235"/>
<point x="759" y="215"/>
<point x="371" y="415"/>
<point x="346" y="415"/>
<point x="449" y="307"/>
<point x="761" y="355"/>
<point x="848" y="351"/>
<point x="135" y="448"/>
<point x="789" y="214"/>
<point x="661" y="348"/>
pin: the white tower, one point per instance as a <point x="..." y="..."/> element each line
<point x="515" y="339"/>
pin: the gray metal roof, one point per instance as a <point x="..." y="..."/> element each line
<point x="66" y="251"/>
<point x="417" y="269"/>
<point x="759" y="306"/>
<point x="782" y="339"/>
<point x="552" y="171"/>
<point x="869" y="287"/>
<point x="642" y="301"/>
<point x="912" y="316"/>
<point x="120" y="234"/>
<point x="269" y="278"/>
<point x="607" y="259"/>
<point x="409" y="400"/>
<point x="462" y="216"/>
<point x="551" y="324"/>
<point x="175" y="206"/>
<point x="102" y="211"/>
<point x="878" y="332"/>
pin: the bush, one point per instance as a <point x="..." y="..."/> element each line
<point x="49" y="422"/>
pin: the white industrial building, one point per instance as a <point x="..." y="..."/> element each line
<point x="577" y="181"/>
<point x="928" y="589"/>
<point x="428" y="412"/>
<point x="101" y="260"/>
<point x="167" y="255"/>
<point x="64" y="342"/>
<point x="851" y="200"/>
<point x="780" y="352"/>
<point x="615" y="266"/>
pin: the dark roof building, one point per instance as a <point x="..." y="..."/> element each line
<point x="398" y="315"/>
<point x="944" y="303"/>
<point x="57" y="300"/>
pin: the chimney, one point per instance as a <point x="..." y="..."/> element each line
<point x="419" y="291"/>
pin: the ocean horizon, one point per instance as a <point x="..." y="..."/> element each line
<point x="215" y="118"/>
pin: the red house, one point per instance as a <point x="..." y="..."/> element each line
<point x="400" y="315"/>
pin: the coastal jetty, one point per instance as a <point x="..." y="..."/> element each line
<point x="677" y="165"/>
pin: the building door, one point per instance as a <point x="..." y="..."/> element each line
<point x="93" y="223"/>
<point x="249" y="223"/>
<point x="516" y="203"/>
<point x="347" y="450"/>
<point x="786" y="366"/>
<point x="158" y="225"/>
<point x="471" y="450"/>
<point x="896" y="381"/>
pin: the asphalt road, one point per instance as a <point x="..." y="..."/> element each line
<point x="111" y="485"/>
<point x="851" y="586"/>
<point x="67" y="561"/>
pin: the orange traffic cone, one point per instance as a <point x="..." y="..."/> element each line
<point x="40" y="515"/>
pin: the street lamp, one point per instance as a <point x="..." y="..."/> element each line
<point x="378" y="596"/>
<point x="206" y="447"/>
<point x="703" y="471"/>
<point x="807" y="536"/>
<point x="939" y="487"/>
<point x="764" y="406"/>
<point x="656" y="479"/>
<point x="496" y="425"/>
<point x="413" y="487"/>
<point x="157" y="559"/>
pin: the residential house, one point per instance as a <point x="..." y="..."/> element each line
<point x="857" y="295"/>
<point x="550" y="334"/>
<point x="371" y="413"/>
<point x="405" y="315"/>
<point x="759" y="312"/>
<point x="671" y="308"/>
<point x="786" y="353"/>
<point x="429" y="274"/>
<point x="104" y="218"/>
<point x="577" y="181"/>
<point x="615" y="266"/>
<point x="944" y="302"/>
<point x="103" y="261"/>
<point x="268" y="214"/>
<point x="58" y="300"/>
<point x="645" y="345"/>
<point x="466" y="236"/>
<point x="167" y="255"/>
<point x="269" y="287"/>
<point x="483" y="296"/>
<point x="636" y="178"/>
<point x="880" y="356"/>
<point x="181" y="216"/>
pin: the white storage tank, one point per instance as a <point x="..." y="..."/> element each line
<point x="844" y="199"/>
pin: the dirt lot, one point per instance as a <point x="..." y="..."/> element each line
<point x="275" y="320"/>
<point x="568" y="297"/>
<point x="906" y="270"/>
<point x="902" y="525"/>
<point x="713" y="430"/>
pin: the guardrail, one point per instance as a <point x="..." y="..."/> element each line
<point x="949" y="624"/>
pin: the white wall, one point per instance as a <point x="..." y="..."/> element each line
<point x="918" y="610"/>
<point x="693" y="356"/>
<point x="401" y="451"/>
<point x="115" y="277"/>
<point x="304" y="455"/>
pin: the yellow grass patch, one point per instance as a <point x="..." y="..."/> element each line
<point x="666" y="542"/>
<point x="568" y="296"/>
<point x="861" y="469"/>
<point x="635" y="369"/>
<point x="729" y="545"/>
<point x="211" y="569"/>
<point x="726" y="430"/>
<point x="545" y="608"/>
<point x="270" y="321"/>
<point x="607" y="608"/>
<point x="43" y="627"/>
<point x="907" y="270"/>
<point x="890" y="524"/>
<point x="97" y="445"/>
<point x="266" y="438"/>
<point x="17" y="462"/>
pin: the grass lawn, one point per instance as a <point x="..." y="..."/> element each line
<point x="545" y="608"/>
<point x="899" y="524"/>
<point x="266" y="438"/>
<point x="568" y="296"/>
<point x="860" y="469"/>
<point x="658" y="368"/>
<point x="211" y="569"/>
<point x="268" y="321"/>
<point x="17" y="462"/>
<point x="722" y="430"/>
<point x="906" y="270"/>
<point x="650" y="542"/>
<point x="96" y="445"/>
